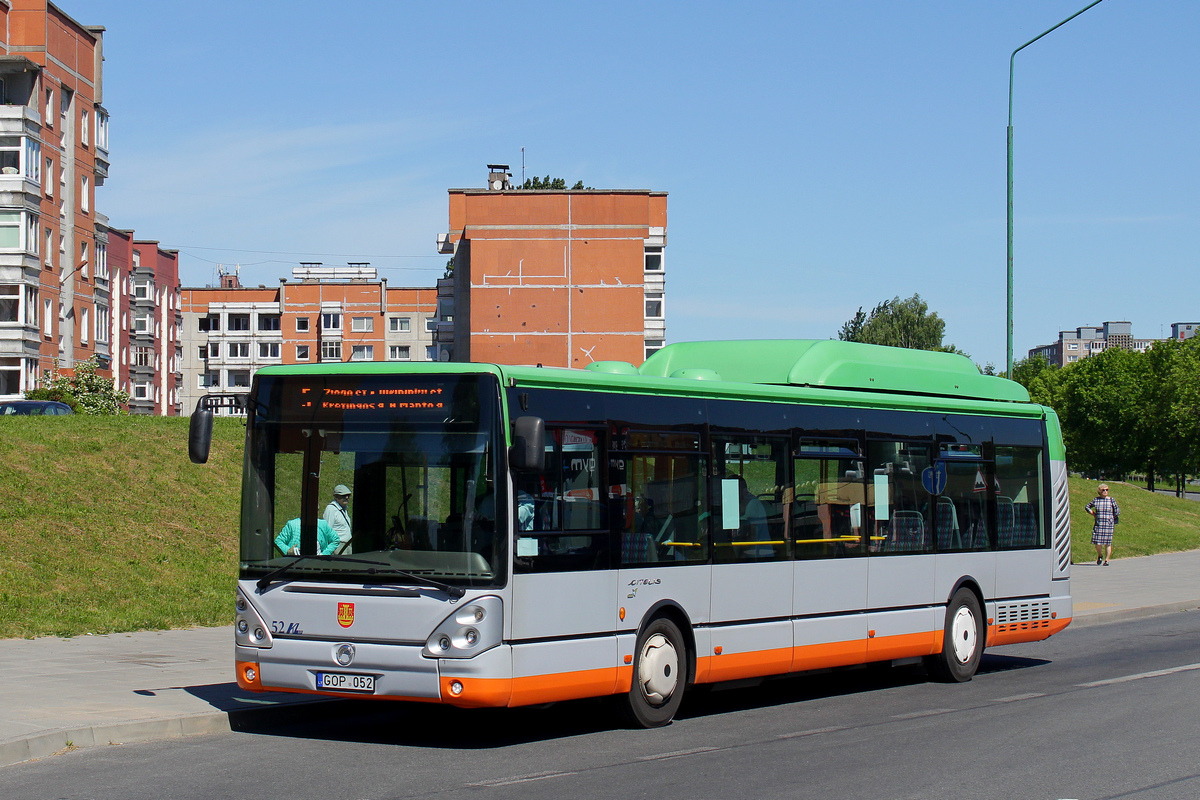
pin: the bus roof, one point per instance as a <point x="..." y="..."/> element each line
<point x="832" y="364"/>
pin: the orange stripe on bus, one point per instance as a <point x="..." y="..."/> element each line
<point x="904" y="645"/>
<point x="1031" y="631"/>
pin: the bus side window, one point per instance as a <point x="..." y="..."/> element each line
<point x="752" y="474"/>
<point x="1019" y="504"/>
<point x="827" y="509"/>
<point x="899" y="504"/>
<point x="658" y="501"/>
<point x="560" y="514"/>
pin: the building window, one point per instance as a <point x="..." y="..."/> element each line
<point x="239" y="349"/>
<point x="47" y="318"/>
<point x="331" y="322"/>
<point x="83" y="260"/>
<point x="103" y="321"/>
<point x="301" y="323"/>
<point x="653" y="346"/>
<point x="210" y="379"/>
<point x="202" y="352"/>
<point x="431" y="353"/>
<point x="239" y="379"/>
<point x="48" y="178"/>
<point x="84" y="129"/>
<point x="268" y="349"/>
<point x="83" y="326"/>
<point x="10" y="230"/>
<point x="398" y="324"/>
<point x="268" y="322"/>
<point x="430" y="324"/>
<point x="84" y="195"/>
<point x="211" y="322"/>
<point x="398" y="353"/>
<point x="654" y="305"/>
<point x="143" y="357"/>
<point x="239" y="322"/>
<point x="10" y="303"/>
<point x="141" y="391"/>
<point x="48" y="114"/>
<point x="141" y="323"/>
<point x="33" y="160"/>
<point x="302" y="352"/>
<point x="362" y="324"/>
<point x="102" y="262"/>
<point x="49" y="248"/>
<point x="141" y="290"/>
<point x="654" y="259"/>
<point x="331" y="351"/>
<point x="362" y="352"/>
<point x="10" y="155"/>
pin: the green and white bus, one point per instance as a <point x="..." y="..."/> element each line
<point x="726" y="511"/>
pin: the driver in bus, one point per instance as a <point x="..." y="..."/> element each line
<point x="288" y="540"/>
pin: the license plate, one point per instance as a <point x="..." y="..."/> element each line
<point x="346" y="682"/>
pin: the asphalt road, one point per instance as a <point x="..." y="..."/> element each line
<point x="1103" y="712"/>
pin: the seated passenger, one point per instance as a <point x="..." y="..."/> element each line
<point x="288" y="540"/>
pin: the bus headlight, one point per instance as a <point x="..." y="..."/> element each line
<point x="249" y="630"/>
<point x="469" y="631"/>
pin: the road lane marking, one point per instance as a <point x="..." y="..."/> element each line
<point x="1158" y="673"/>
<point x="813" y="732"/>
<point x="536" y="776"/>
<point x="933" y="712"/>
<point x="678" y="753"/>
<point x="1014" y="698"/>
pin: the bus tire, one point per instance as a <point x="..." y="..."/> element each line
<point x="659" y="676"/>
<point x="962" y="640"/>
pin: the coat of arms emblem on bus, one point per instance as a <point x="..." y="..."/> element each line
<point x="345" y="614"/>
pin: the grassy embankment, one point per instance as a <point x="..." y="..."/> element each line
<point x="106" y="526"/>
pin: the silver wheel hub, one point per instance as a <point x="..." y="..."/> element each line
<point x="658" y="669"/>
<point x="964" y="633"/>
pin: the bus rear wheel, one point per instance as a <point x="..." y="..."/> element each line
<point x="659" y="665"/>
<point x="962" y="640"/>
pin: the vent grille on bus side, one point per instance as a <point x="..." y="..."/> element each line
<point x="1062" y="518"/>
<point x="1025" y="616"/>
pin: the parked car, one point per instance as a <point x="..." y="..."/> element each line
<point x="51" y="408"/>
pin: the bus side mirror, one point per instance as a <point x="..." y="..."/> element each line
<point x="528" y="451"/>
<point x="200" y="433"/>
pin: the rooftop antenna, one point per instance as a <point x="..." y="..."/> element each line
<point x="522" y="166"/>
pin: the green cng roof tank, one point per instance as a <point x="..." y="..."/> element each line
<point x="834" y="364"/>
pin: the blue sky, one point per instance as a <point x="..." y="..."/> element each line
<point x="819" y="156"/>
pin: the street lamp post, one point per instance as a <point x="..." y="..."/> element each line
<point x="1011" y="60"/>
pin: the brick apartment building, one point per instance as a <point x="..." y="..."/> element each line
<point x="322" y="314"/>
<point x="146" y="322"/>
<point x="55" y="293"/>
<point x="554" y="277"/>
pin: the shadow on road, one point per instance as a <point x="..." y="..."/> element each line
<point x="436" y="726"/>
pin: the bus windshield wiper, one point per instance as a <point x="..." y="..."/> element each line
<point x="265" y="580"/>
<point x="453" y="591"/>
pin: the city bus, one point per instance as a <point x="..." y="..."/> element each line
<point x="727" y="511"/>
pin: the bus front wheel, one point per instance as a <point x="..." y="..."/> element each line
<point x="659" y="665"/>
<point x="962" y="640"/>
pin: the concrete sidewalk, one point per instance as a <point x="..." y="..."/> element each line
<point x="132" y="687"/>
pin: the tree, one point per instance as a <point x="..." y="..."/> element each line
<point x="898" y="323"/>
<point x="83" y="390"/>
<point x="549" y="183"/>
<point x="1103" y="403"/>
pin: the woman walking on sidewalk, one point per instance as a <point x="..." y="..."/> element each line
<point x="1107" y="513"/>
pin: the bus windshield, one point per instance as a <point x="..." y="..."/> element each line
<point x="368" y="478"/>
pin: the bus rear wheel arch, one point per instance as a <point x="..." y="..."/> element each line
<point x="660" y="670"/>
<point x="963" y="639"/>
